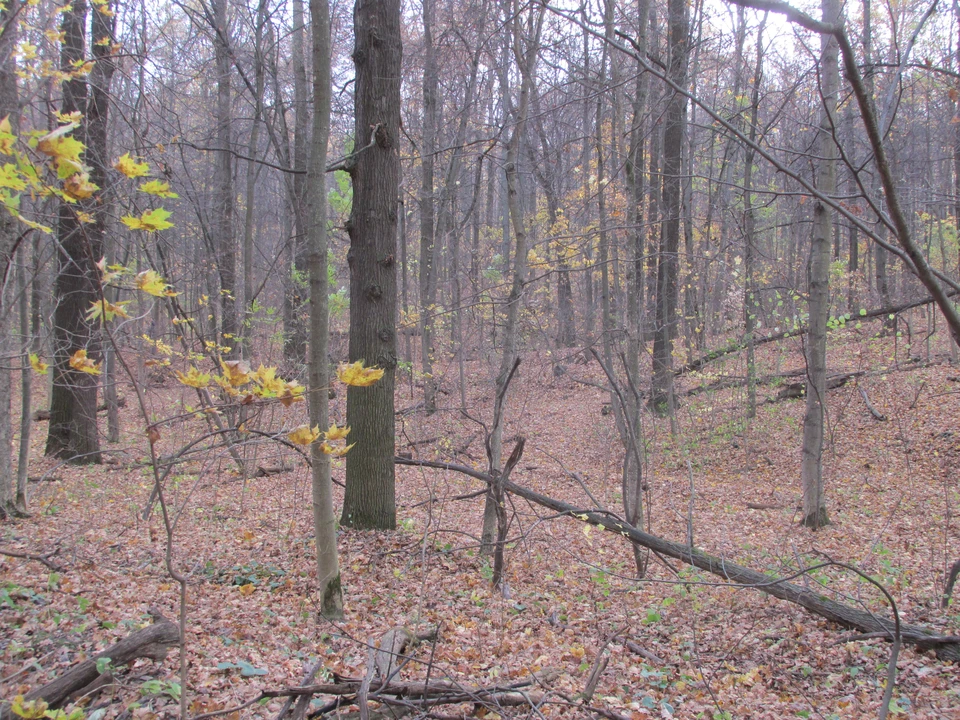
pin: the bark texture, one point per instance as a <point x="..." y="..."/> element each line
<point x="369" y="501"/>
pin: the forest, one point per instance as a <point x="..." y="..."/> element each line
<point x="483" y="358"/>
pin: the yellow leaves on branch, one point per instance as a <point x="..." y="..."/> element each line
<point x="106" y="311"/>
<point x="236" y="372"/>
<point x="64" y="150"/>
<point x="158" y="188"/>
<point x="150" y="282"/>
<point x="38" y="365"/>
<point x="303" y="435"/>
<point x="194" y="378"/>
<point x="336" y="433"/>
<point x="152" y="221"/>
<point x="333" y="434"/>
<point x="79" y="187"/>
<point x="130" y="167"/>
<point x="357" y="375"/>
<point x="80" y="362"/>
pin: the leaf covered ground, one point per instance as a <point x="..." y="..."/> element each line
<point x="712" y="650"/>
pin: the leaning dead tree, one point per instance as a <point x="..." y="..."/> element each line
<point x="946" y="647"/>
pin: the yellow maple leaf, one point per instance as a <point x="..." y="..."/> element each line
<point x="38" y="365"/>
<point x="158" y="188"/>
<point x="268" y="380"/>
<point x="106" y="311"/>
<point x="64" y="150"/>
<point x="336" y="433"/>
<point x="108" y="274"/>
<point x="336" y="451"/>
<point x="79" y="361"/>
<point x="236" y="372"/>
<point x="291" y="393"/>
<point x="130" y="167"/>
<point x="152" y="220"/>
<point x="247" y="589"/>
<point x="194" y="378"/>
<point x="357" y="375"/>
<point x="303" y="435"/>
<point x="79" y="187"/>
<point x="150" y="282"/>
<point x="8" y="140"/>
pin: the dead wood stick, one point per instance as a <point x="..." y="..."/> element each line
<point x="873" y="411"/>
<point x="642" y="652"/>
<point x="44" y="558"/>
<point x="762" y="506"/>
<point x="153" y="641"/>
<point x="946" y="647"/>
<point x="951" y="580"/>
<point x="738" y="346"/>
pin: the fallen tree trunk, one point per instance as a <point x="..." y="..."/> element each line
<point x="703" y="360"/>
<point x="947" y="647"/>
<point x="153" y="641"/>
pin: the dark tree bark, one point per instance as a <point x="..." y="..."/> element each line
<point x="662" y="392"/>
<point x="428" y="271"/>
<point x="369" y="501"/>
<point x="223" y="195"/>
<point x="9" y="237"/>
<point x="814" y="502"/>
<point x="73" y="402"/>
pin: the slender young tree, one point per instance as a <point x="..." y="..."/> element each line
<point x="811" y="467"/>
<point x="428" y="271"/>
<point x="369" y="501"/>
<point x="526" y="58"/>
<point x="10" y="236"/>
<point x="324" y="520"/>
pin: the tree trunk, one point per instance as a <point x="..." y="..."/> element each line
<point x="369" y="501"/>
<point x="750" y="303"/>
<point x="223" y="195"/>
<point x="324" y="519"/>
<point x="73" y="399"/>
<point x="814" y="502"/>
<point x="428" y="273"/>
<point x="662" y="397"/>
<point x="295" y="332"/>
<point x="526" y="59"/>
<point x="9" y="235"/>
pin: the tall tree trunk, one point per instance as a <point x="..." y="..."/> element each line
<point x="324" y="519"/>
<point x="223" y="195"/>
<point x="526" y="59"/>
<point x="428" y="273"/>
<point x="295" y="331"/>
<point x="253" y="171"/>
<point x="750" y="302"/>
<point x="662" y="396"/>
<point x="811" y="467"/>
<point x="73" y="400"/>
<point x="369" y="500"/>
<point x="9" y="236"/>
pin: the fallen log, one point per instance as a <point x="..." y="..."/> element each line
<point x="153" y="641"/>
<point x="947" y="647"/>
<point x="735" y="347"/>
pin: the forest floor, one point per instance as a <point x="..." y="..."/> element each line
<point x="713" y="650"/>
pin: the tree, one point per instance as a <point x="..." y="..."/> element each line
<point x="811" y="468"/>
<point x="369" y="501"/>
<point x="662" y="398"/>
<point x="324" y="520"/>
<point x="428" y="271"/>
<point x="526" y="59"/>
<point x="10" y="237"/>
<point x="73" y="401"/>
<point x="222" y="231"/>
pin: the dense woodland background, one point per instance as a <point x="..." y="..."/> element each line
<point x="689" y="266"/>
